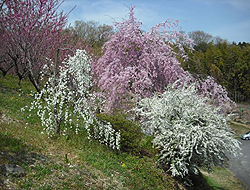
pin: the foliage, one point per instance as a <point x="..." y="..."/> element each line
<point x="131" y="135"/>
<point x="188" y="132"/>
<point x="67" y="96"/>
<point x="30" y="32"/>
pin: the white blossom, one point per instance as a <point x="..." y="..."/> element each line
<point x="188" y="132"/>
<point x="69" y="95"/>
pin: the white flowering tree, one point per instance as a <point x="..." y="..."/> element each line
<point x="66" y="96"/>
<point x="188" y="132"/>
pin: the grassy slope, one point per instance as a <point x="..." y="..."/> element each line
<point x="74" y="163"/>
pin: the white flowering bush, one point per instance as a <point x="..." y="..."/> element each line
<point x="188" y="132"/>
<point x="67" y="96"/>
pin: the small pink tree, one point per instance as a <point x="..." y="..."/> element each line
<point x="30" y="33"/>
<point x="137" y="63"/>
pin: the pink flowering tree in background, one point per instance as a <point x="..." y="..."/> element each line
<point x="30" y="33"/>
<point x="217" y="94"/>
<point x="137" y="63"/>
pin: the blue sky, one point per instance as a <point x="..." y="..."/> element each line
<point x="229" y="19"/>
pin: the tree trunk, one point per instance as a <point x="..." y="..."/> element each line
<point x="58" y="123"/>
<point x="33" y="81"/>
<point x="32" y="77"/>
<point x="3" y="73"/>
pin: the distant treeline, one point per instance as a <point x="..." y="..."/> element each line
<point x="228" y="63"/>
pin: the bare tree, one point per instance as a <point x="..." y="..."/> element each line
<point x="200" y="37"/>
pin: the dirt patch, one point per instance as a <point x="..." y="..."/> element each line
<point x="5" y="119"/>
<point x="242" y="114"/>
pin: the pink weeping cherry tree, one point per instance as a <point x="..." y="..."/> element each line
<point x="138" y="64"/>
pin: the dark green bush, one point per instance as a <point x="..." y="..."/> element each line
<point x="131" y="134"/>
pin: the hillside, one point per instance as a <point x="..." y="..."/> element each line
<point x="31" y="160"/>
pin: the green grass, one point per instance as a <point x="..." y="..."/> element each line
<point x="65" y="163"/>
<point x="71" y="162"/>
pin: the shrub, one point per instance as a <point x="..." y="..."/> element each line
<point x="188" y="132"/>
<point x="130" y="131"/>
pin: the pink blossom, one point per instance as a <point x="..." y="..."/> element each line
<point x="138" y="64"/>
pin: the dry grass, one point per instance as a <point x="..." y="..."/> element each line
<point x="221" y="178"/>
